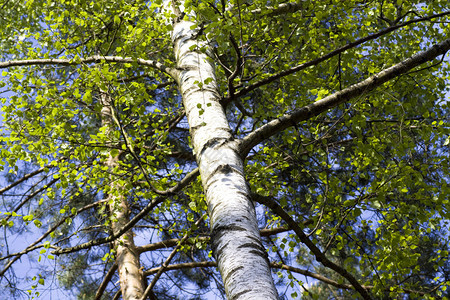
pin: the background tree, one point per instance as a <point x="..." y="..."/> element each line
<point x="331" y="119"/>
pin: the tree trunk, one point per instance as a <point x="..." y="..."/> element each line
<point x="127" y="258"/>
<point x="236" y="242"/>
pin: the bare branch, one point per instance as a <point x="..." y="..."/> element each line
<point x="166" y="244"/>
<point x="169" y="258"/>
<point x="273" y="231"/>
<point x="173" y="242"/>
<point x="201" y="264"/>
<point x="106" y="280"/>
<point x="25" y="177"/>
<point x="35" y="245"/>
<point x="28" y="198"/>
<point x="312" y="275"/>
<point x="209" y="264"/>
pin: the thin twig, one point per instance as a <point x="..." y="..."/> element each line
<point x="169" y="258"/>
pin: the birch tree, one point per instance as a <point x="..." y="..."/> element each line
<point x="313" y="136"/>
<point x="131" y="277"/>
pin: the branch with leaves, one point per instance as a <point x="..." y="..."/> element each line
<point x="320" y="257"/>
<point x="357" y="90"/>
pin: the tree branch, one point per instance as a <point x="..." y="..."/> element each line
<point x="318" y="60"/>
<point x="28" y="198"/>
<point x="201" y="264"/>
<point x="91" y="59"/>
<point x="25" y="177"/>
<point x="35" y="245"/>
<point x="158" y="274"/>
<point x="185" y="181"/>
<point x="358" y="89"/>
<point x="209" y="264"/>
<point x="106" y="280"/>
<point x="166" y="244"/>
<point x="312" y="275"/>
<point x="320" y="257"/>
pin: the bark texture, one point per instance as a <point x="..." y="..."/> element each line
<point x="236" y="243"/>
<point x="127" y="256"/>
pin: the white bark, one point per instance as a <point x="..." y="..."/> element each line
<point x="127" y="257"/>
<point x="283" y="8"/>
<point x="236" y="242"/>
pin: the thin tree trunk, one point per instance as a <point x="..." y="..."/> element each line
<point x="236" y="242"/>
<point x="127" y="256"/>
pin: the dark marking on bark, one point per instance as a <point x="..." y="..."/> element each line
<point x="256" y="246"/>
<point x="213" y="141"/>
<point x="262" y="254"/>
<point x="225" y="228"/>
<point x="245" y="194"/>
<point x="217" y="232"/>
<point x="232" y="272"/>
<point x="216" y="253"/>
<point x="252" y="245"/>
<point x="255" y="239"/>
<point x="210" y="143"/>
<point x="224" y="169"/>
<point x="238" y="295"/>
<point x="258" y="249"/>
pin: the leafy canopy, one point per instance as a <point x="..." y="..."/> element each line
<point x="367" y="180"/>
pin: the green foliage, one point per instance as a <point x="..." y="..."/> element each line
<point x="368" y="180"/>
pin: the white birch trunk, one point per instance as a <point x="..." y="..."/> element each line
<point x="127" y="258"/>
<point x="236" y="242"/>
